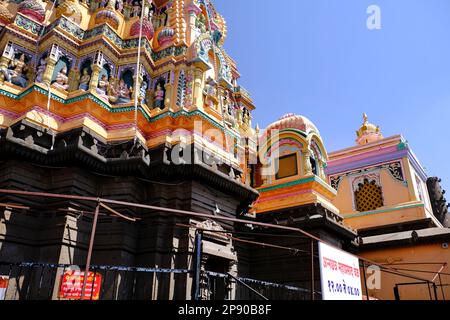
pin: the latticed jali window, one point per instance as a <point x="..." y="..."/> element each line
<point x="369" y="196"/>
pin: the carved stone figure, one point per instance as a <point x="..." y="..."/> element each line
<point x="15" y="73"/>
<point x="210" y="89"/>
<point x="41" y="69"/>
<point x="159" y="97"/>
<point x="119" y="6"/>
<point x="200" y="23"/>
<point x="246" y="116"/>
<point x="122" y="92"/>
<point x="103" y="85"/>
<point x="84" y="80"/>
<point x="62" y="79"/>
<point x="136" y="9"/>
<point x="143" y="92"/>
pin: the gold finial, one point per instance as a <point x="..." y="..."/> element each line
<point x="368" y="132"/>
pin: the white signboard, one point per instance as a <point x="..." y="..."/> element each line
<point x="340" y="275"/>
<point x="3" y="285"/>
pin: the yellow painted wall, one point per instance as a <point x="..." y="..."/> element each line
<point x="423" y="253"/>
<point x="394" y="193"/>
<point x="393" y="216"/>
<point x="397" y="196"/>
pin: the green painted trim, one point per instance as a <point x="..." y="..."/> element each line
<point x="402" y="146"/>
<point x="302" y="133"/>
<point x="295" y="183"/>
<point x="118" y="110"/>
<point x="368" y="213"/>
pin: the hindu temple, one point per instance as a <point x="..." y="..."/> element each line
<point x="137" y="101"/>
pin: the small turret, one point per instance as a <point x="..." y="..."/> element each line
<point x="368" y="132"/>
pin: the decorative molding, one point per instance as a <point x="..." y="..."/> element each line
<point x="396" y="171"/>
<point x="368" y="213"/>
<point x="335" y="181"/>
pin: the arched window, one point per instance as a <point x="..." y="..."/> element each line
<point x="368" y="196"/>
<point x="314" y="165"/>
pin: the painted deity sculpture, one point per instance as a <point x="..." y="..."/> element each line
<point x="84" y="80"/>
<point x="102" y="87"/>
<point x="136" y="9"/>
<point x="200" y="23"/>
<point x="94" y="5"/>
<point x="119" y="6"/>
<point x="15" y="73"/>
<point x="40" y="70"/>
<point x="226" y="109"/>
<point x="210" y="88"/>
<point x="246" y="116"/>
<point x="159" y="97"/>
<point x="122" y="92"/>
<point x="210" y="91"/>
<point x="62" y="80"/>
<point x="143" y="92"/>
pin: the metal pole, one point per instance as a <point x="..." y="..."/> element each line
<point x="91" y="246"/>
<point x="396" y="293"/>
<point x="248" y="287"/>
<point x="312" y="270"/>
<point x="442" y="287"/>
<point x="198" y="261"/>
<point x="202" y="215"/>
<point x="429" y="290"/>
<point x="365" y="279"/>
<point x="435" y="291"/>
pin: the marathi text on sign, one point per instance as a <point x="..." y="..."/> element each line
<point x="72" y="285"/>
<point x="3" y="286"/>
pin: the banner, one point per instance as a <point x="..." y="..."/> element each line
<point x="3" y="286"/>
<point x="340" y="276"/>
<point x="72" y="285"/>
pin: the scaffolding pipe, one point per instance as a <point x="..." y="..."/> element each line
<point x="201" y="215"/>
<point x="198" y="265"/>
<point x="91" y="247"/>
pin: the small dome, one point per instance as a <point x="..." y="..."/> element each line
<point x="32" y="9"/>
<point x="5" y="16"/>
<point x="71" y="10"/>
<point x="293" y="121"/>
<point x="165" y="36"/>
<point x="147" y="29"/>
<point x="368" y="132"/>
<point x="107" y="15"/>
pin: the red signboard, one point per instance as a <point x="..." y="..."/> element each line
<point x="3" y="286"/>
<point x="72" y="284"/>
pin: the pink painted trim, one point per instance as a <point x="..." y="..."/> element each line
<point x="357" y="148"/>
<point x="281" y="196"/>
<point x="193" y="8"/>
<point x="106" y="127"/>
<point x="9" y="114"/>
<point x="364" y="156"/>
<point x="69" y="119"/>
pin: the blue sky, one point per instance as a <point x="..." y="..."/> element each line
<point x="318" y="58"/>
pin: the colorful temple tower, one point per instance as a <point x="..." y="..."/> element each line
<point x="131" y="100"/>
<point x="138" y="101"/>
